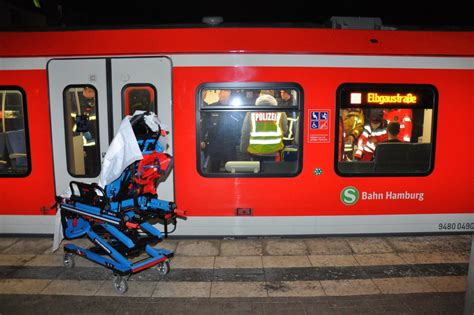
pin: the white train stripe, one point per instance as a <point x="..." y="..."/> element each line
<point x="278" y="60"/>
<point x="274" y="225"/>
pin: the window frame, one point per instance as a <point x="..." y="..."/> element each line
<point x="242" y="86"/>
<point x="389" y="87"/>
<point x="19" y="89"/>
<point x="122" y="95"/>
<point x="67" y="145"/>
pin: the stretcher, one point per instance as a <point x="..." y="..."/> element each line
<point x="118" y="219"/>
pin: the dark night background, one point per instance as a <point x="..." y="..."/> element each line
<point x="54" y="14"/>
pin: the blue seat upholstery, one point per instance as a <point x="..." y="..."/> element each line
<point x="16" y="146"/>
<point x="3" y="157"/>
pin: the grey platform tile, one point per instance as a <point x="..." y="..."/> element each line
<point x="285" y="261"/>
<point x="332" y="260"/>
<point x="349" y="287"/>
<point x="22" y="286"/>
<point x="167" y="244"/>
<point x="442" y="243"/>
<point x="328" y="246"/>
<point x="15" y="260"/>
<point x="291" y="247"/>
<point x="135" y="289"/>
<point x="448" y="283"/>
<point x="85" y="273"/>
<point x="241" y="248"/>
<point x="182" y="290"/>
<point x="435" y="257"/>
<point x="238" y="262"/>
<point x="238" y="289"/>
<point x="369" y="245"/>
<point x="6" y="242"/>
<point x="314" y="274"/>
<point x="24" y="272"/>
<point x="404" y="285"/>
<point x="189" y="262"/>
<point x="179" y="275"/>
<point x="72" y="287"/>
<point x="46" y="261"/>
<point x="29" y="246"/>
<point x="293" y="308"/>
<point x="379" y="259"/>
<point x="294" y="288"/>
<point x="198" y="248"/>
<point x="239" y="275"/>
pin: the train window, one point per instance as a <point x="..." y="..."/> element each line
<point x="138" y="97"/>
<point x="82" y="130"/>
<point x="249" y="129"/>
<point x="385" y="129"/>
<point x="14" y="147"/>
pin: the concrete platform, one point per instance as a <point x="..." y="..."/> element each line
<point x="321" y="275"/>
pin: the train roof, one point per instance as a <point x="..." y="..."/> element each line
<point x="239" y="40"/>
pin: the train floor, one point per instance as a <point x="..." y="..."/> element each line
<point x="319" y="275"/>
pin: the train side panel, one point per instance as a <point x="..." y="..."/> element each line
<point x="446" y="190"/>
<point x="34" y="193"/>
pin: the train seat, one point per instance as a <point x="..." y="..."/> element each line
<point x="402" y="157"/>
<point x="289" y="153"/>
<point x="242" y="166"/>
<point x="16" y="146"/>
<point x="3" y="161"/>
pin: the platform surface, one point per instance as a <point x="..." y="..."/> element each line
<point x="320" y="275"/>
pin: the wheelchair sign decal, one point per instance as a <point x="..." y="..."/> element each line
<point x="319" y="126"/>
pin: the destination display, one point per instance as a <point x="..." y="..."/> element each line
<point x="383" y="95"/>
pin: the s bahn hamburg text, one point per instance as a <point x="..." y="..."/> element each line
<point x="390" y="195"/>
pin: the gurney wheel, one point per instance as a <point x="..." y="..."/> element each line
<point x="164" y="267"/>
<point x="120" y="284"/>
<point x="68" y="260"/>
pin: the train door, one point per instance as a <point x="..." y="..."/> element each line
<point x="144" y="84"/>
<point x="89" y="98"/>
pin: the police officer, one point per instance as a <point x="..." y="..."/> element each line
<point x="262" y="132"/>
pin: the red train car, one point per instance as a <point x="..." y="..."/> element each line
<point x="331" y="168"/>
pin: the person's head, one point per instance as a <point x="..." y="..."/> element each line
<point x="266" y="100"/>
<point x="376" y="117"/>
<point x="285" y="94"/>
<point x="88" y="92"/>
<point x="267" y="92"/>
<point x="224" y="96"/>
<point x="393" y="129"/>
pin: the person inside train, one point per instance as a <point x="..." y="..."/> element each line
<point x="393" y="131"/>
<point x="262" y="132"/>
<point x="88" y="108"/>
<point x="352" y="126"/>
<point x="404" y="117"/>
<point x="267" y="92"/>
<point x="374" y="132"/>
<point x="286" y="98"/>
<point x="221" y="133"/>
<point x="140" y="99"/>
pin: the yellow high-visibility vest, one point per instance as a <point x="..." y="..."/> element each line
<point x="266" y="135"/>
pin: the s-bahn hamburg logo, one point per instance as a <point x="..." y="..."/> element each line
<point x="349" y="195"/>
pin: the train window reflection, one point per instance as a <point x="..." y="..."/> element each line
<point x="82" y="131"/>
<point x="385" y="129"/>
<point x="249" y="131"/>
<point x="138" y="97"/>
<point x="14" y="151"/>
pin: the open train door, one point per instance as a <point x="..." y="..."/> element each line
<point x="89" y="98"/>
